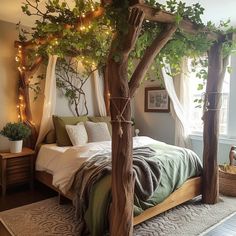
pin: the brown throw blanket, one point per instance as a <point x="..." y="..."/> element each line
<point x="146" y="172"/>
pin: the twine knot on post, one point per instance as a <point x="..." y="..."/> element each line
<point x="209" y="105"/>
<point x="119" y="117"/>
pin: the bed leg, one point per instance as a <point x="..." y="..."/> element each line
<point x="62" y="199"/>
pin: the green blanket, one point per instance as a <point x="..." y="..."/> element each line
<point x="177" y="164"/>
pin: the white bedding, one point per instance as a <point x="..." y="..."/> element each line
<point x="47" y="156"/>
<point x="63" y="162"/>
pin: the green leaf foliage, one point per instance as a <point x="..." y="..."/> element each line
<point x="91" y="43"/>
<point x="15" y="131"/>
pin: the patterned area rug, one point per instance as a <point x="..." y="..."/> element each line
<point x="189" y="219"/>
<point x="47" y="218"/>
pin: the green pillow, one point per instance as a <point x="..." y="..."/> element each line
<point x="50" y="137"/>
<point x="60" y="123"/>
<point x="106" y="119"/>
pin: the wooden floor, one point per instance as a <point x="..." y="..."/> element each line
<point x="226" y="228"/>
<point x="22" y="195"/>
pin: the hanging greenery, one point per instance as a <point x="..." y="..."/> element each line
<point x="63" y="30"/>
<point x="67" y="31"/>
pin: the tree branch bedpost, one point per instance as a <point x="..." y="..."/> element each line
<point x="23" y="91"/>
<point x="122" y="163"/>
<point x="216" y="70"/>
<point x="149" y="55"/>
<point x="106" y="90"/>
<point x="121" y="93"/>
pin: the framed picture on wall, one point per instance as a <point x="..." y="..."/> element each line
<point x="156" y="100"/>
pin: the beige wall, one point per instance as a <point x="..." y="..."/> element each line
<point x="9" y="81"/>
<point x="159" y="126"/>
<point x="8" y="77"/>
<point x="64" y="109"/>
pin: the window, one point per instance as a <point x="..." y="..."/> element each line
<point x="196" y="112"/>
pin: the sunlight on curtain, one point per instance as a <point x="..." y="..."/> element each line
<point x="178" y="90"/>
<point x="99" y="91"/>
<point x="49" y="99"/>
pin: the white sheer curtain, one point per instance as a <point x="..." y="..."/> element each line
<point x="49" y="99"/>
<point x="178" y="90"/>
<point x="99" y="92"/>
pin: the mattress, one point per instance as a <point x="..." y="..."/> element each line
<point x="48" y="156"/>
<point x="64" y="162"/>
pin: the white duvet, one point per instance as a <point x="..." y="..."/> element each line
<point x="69" y="159"/>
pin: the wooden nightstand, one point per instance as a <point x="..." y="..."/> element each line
<point x="16" y="168"/>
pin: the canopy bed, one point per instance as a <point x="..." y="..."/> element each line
<point x="181" y="170"/>
<point x="119" y="94"/>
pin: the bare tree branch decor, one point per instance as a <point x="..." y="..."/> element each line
<point x="71" y="78"/>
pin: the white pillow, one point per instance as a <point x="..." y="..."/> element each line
<point x="97" y="131"/>
<point x="77" y="134"/>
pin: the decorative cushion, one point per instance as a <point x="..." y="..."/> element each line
<point x="77" y="133"/>
<point x="106" y="119"/>
<point x="97" y="132"/>
<point x="50" y="137"/>
<point x="59" y="125"/>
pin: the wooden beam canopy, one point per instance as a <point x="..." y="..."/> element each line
<point x="158" y="15"/>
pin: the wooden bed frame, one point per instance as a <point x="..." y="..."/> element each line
<point x="190" y="189"/>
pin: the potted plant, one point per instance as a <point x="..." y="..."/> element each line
<point x="15" y="132"/>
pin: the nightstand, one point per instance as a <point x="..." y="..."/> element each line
<point x="16" y="168"/>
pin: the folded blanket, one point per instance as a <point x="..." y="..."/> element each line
<point x="146" y="172"/>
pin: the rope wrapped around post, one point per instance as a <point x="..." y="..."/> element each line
<point x="207" y="105"/>
<point x="119" y="117"/>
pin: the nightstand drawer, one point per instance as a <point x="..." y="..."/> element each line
<point x="18" y="162"/>
<point x="20" y="177"/>
<point x="16" y="168"/>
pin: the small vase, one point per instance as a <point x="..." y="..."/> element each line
<point x="16" y="146"/>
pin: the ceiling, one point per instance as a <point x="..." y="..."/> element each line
<point x="214" y="10"/>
